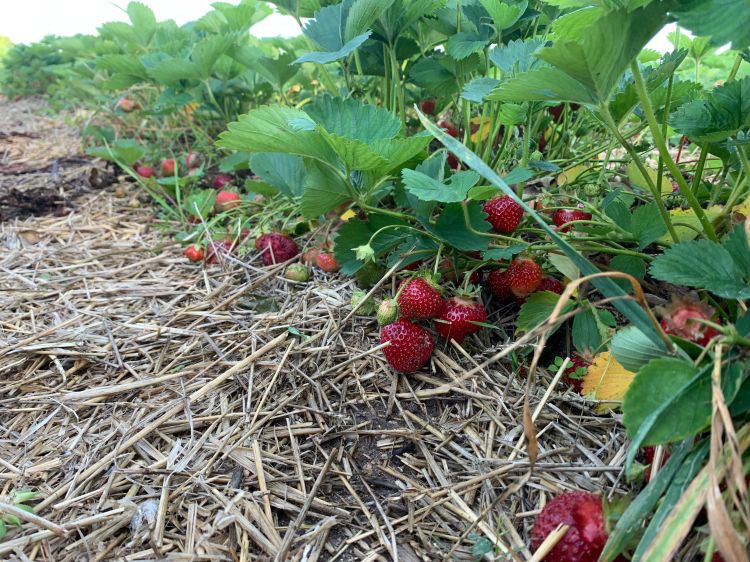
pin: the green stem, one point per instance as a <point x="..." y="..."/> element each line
<point x="735" y="68"/>
<point x="667" y="105"/>
<point x="609" y="120"/>
<point x="699" y="168"/>
<point x="661" y="145"/>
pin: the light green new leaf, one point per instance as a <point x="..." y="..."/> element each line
<point x="504" y="15"/>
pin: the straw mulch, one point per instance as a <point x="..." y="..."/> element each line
<point x="41" y="171"/>
<point x="166" y="411"/>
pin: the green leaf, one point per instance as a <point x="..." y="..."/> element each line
<point x="362" y="15"/>
<point x="585" y="335"/>
<point x="478" y="88"/>
<point x="200" y="202"/>
<point x="605" y="49"/>
<point x="721" y="114"/>
<point x="324" y="190"/>
<point x="501" y="254"/>
<point x="463" y="44"/>
<point x="724" y="21"/>
<point x="172" y="71"/>
<point x="424" y="187"/>
<point x="354" y="154"/>
<point x="122" y="64"/>
<point x="353" y="119"/>
<point x="276" y="129"/>
<point x="702" y="264"/>
<point x="123" y="151"/>
<point x="3" y="529"/>
<point x="451" y="227"/>
<point x="234" y="162"/>
<point x="537" y="308"/>
<point x="356" y="232"/>
<point x="401" y="150"/>
<point x="435" y="74"/>
<point x="736" y="244"/>
<point x="207" y="52"/>
<point x="633" y="349"/>
<point x="631" y="522"/>
<point x="631" y="265"/>
<point x="504" y="15"/>
<point x="517" y="56"/>
<point x="542" y="84"/>
<point x="574" y="24"/>
<point x="646" y="224"/>
<point x="143" y="20"/>
<point x="286" y="172"/>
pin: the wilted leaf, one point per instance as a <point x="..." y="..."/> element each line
<point x="606" y="379"/>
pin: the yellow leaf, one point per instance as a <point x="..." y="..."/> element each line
<point x="687" y="224"/>
<point x="571" y="174"/>
<point x="348" y="214"/>
<point x="484" y="130"/>
<point x="606" y="379"/>
<point x="636" y="178"/>
<point x="742" y="208"/>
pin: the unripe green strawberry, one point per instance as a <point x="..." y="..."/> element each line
<point x="387" y="312"/>
<point x="297" y="272"/>
<point x="367" y="307"/>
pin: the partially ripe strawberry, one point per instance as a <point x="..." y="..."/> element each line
<point x="220" y="180"/>
<point x="387" y="312"/>
<point x="145" y="171"/>
<point x="411" y="345"/>
<point x="192" y="160"/>
<point x="276" y="248"/>
<point x="327" y="262"/>
<point x="564" y="216"/>
<point x="498" y="284"/>
<point x="428" y="106"/>
<point x="126" y="104"/>
<point x="310" y="256"/>
<point x="524" y="276"/>
<point x="218" y="248"/>
<point x="297" y="272"/>
<point x="587" y="534"/>
<point x="194" y="252"/>
<point x="573" y="375"/>
<point x="679" y="319"/>
<point x="226" y="200"/>
<point x="457" y="320"/>
<point x="448" y="127"/>
<point x="551" y="284"/>
<point x="503" y="213"/>
<point x="420" y="298"/>
<point x="167" y="167"/>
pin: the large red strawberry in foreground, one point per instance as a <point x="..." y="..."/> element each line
<point x="420" y="298"/>
<point x="411" y="345"/>
<point x="587" y="535"/>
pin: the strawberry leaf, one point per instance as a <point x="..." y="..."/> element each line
<point x="427" y="189"/>
<point x="451" y="227"/>
<point x="702" y="264"/>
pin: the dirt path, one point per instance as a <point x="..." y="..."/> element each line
<point x="166" y="411"/>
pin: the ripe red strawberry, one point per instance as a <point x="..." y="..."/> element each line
<point x="524" y="276"/>
<point x="167" y="167"/>
<point x="145" y="171"/>
<point x="556" y="111"/>
<point x="453" y="161"/>
<point x="551" y="284"/>
<point x="126" y="104"/>
<point x="448" y="127"/>
<point x="218" y="248"/>
<point x="428" y="106"/>
<point x="276" y="247"/>
<point x="226" y="200"/>
<point x="220" y="180"/>
<point x="192" y="160"/>
<point x="564" y="216"/>
<point x="327" y="262"/>
<point x="458" y="317"/>
<point x="503" y="213"/>
<point x="194" y="252"/>
<point x="420" y="298"/>
<point x="411" y="345"/>
<point x="650" y="453"/>
<point x="573" y="375"/>
<point x="679" y="319"/>
<point x="412" y="266"/>
<point x="587" y="534"/>
<point x="498" y="284"/>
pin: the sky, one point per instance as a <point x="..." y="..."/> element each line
<point x="25" y="21"/>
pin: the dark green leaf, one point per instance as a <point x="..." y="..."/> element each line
<point x="463" y="44"/>
<point x="324" y="190"/>
<point x="424" y="187"/>
<point x="451" y="227"/>
<point x="646" y="224"/>
<point x="501" y="254"/>
<point x="285" y="172"/>
<point x="586" y="336"/>
<point x="537" y="308"/>
<point x="724" y="21"/>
